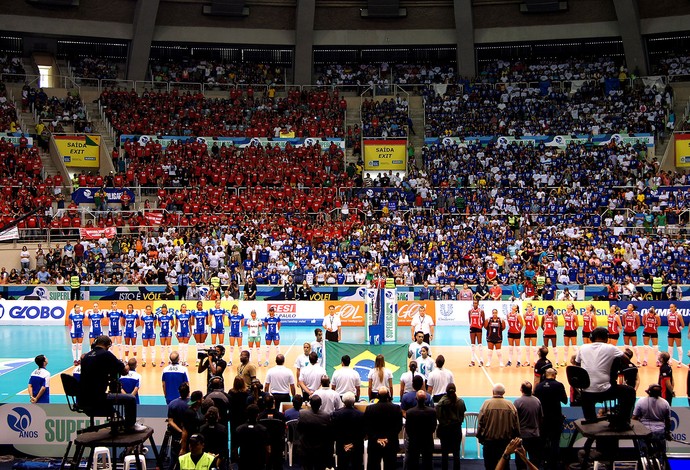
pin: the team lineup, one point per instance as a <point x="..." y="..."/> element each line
<point x="124" y="325"/>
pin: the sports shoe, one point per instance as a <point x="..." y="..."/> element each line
<point x="680" y="364"/>
<point x="137" y="428"/>
<point x="510" y="363"/>
<point x="481" y="363"/>
<point x="527" y="364"/>
<point x="230" y="363"/>
<point x="644" y="364"/>
<point x="75" y="362"/>
<point x="472" y="364"/>
<point x="266" y="364"/>
<point x="143" y="364"/>
<point x="153" y="364"/>
<point x="518" y="364"/>
<point x="162" y="364"/>
<point x="488" y="364"/>
<point x="501" y="364"/>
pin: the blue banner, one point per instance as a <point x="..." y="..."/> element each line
<point x="661" y="307"/>
<point x="86" y="195"/>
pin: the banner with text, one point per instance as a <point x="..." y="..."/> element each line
<point x="80" y="151"/>
<point x="351" y="312"/>
<point x="86" y="195"/>
<point x="682" y="147"/>
<point x="384" y="155"/>
<point x="32" y="312"/>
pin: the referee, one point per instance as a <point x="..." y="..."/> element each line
<point x="332" y="325"/>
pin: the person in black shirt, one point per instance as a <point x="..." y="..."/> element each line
<point x="348" y="429"/>
<point x="305" y="291"/>
<point x="250" y="289"/>
<point x="253" y="442"/>
<point x="551" y="393"/>
<point x="99" y="367"/>
<point x="216" y="436"/>
<point x="214" y="365"/>
<point x="541" y="365"/>
<point x="290" y="289"/>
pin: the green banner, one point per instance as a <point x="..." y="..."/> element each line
<point x="362" y="358"/>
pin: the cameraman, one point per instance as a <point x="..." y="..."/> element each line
<point x="100" y="367"/>
<point x="213" y="363"/>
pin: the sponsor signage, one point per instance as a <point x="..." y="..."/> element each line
<point x="351" y="312"/>
<point x="32" y="312"/>
<point x="86" y="195"/>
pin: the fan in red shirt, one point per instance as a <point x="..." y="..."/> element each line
<point x="495" y="292"/>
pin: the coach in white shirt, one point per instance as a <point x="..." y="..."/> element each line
<point x="346" y="379"/>
<point x="332" y="325"/>
<point x="280" y="382"/>
<point x="424" y="323"/>
<point x="330" y="400"/>
<point x="439" y="379"/>
<point x="310" y="376"/>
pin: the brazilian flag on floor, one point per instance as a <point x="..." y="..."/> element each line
<point x="362" y="358"/>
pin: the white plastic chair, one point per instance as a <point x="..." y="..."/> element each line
<point x="469" y="429"/>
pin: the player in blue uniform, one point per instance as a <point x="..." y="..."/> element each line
<point x="131" y="322"/>
<point x="236" y="320"/>
<point x="200" y="319"/>
<point x="148" y="335"/>
<point x="217" y="323"/>
<point x="39" y="382"/>
<point x="272" y="325"/>
<point x="182" y="319"/>
<point x="115" y="319"/>
<point x="76" y="332"/>
<point x="96" y="318"/>
<point x="165" y="320"/>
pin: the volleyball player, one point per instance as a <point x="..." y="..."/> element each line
<point x="165" y="320"/>
<point x="614" y="326"/>
<point x="217" y="315"/>
<point x="631" y="323"/>
<point x="96" y="318"/>
<point x="76" y="332"/>
<point x="531" y="324"/>
<point x="272" y="326"/>
<point x="571" y="323"/>
<point x="182" y="320"/>
<point x="515" y="324"/>
<point x="254" y="334"/>
<point x="494" y="336"/>
<point x="236" y="321"/>
<point x="148" y="336"/>
<point x="675" y="327"/>
<point x="549" y="323"/>
<point x="115" y="319"/>
<point x="200" y="319"/>
<point x="476" y="318"/>
<point x="589" y="322"/>
<point x="131" y="322"/>
<point x="650" y="333"/>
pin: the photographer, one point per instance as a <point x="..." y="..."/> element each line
<point x="99" y="368"/>
<point x="211" y="361"/>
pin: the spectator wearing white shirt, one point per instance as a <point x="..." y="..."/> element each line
<point x="330" y="400"/>
<point x="424" y="323"/>
<point x="379" y="376"/>
<point x="280" y="382"/>
<point x="439" y="379"/>
<point x="415" y="349"/>
<point x="346" y="379"/>
<point x="310" y="376"/>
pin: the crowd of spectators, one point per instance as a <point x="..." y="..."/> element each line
<point x="242" y="114"/>
<point x="59" y="114"/>
<point x="212" y="72"/>
<point x="385" y="118"/>
<point x="512" y="110"/>
<point x="8" y="112"/>
<point x="94" y="67"/>
<point x="383" y="74"/>
<point x="554" y="70"/>
<point x="675" y="66"/>
<point x="12" y="68"/>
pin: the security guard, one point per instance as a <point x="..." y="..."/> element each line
<point x="196" y="458"/>
<point x="657" y="287"/>
<point x="75" y="285"/>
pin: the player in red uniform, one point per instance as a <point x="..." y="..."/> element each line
<point x="631" y="322"/>
<point x="515" y="324"/>
<point x="531" y="324"/>
<point x="549" y="322"/>
<point x="675" y="327"/>
<point x="614" y="325"/>
<point x="476" y="317"/>
<point x="651" y="322"/>
<point x="571" y="322"/>
<point x="589" y="322"/>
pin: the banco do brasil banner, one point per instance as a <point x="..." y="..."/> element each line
<point x="384" y="155"/>
<point x="81" y="151"/>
